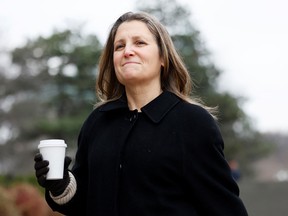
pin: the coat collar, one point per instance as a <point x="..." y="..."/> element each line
<point x="155" y="110"/>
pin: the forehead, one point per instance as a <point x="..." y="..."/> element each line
<point x="133" y="29"/>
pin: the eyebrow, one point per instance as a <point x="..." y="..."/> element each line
<point x="133" y="38"/>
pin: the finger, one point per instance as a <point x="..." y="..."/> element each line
<point x="42" y="172"/>
<point x="38" y="157"/>
<point x="42" y="180"/>
<point x="41" y="164"/>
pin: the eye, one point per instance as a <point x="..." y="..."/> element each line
<point x="140" y="43"/>
<point x="118" y="46"/>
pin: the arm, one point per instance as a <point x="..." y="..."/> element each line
<point x="206" y="172"/>
<point x="72" y="201"/>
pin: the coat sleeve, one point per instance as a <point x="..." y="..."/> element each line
<point x="77" y="205"/>
<point x="206" y="172"/>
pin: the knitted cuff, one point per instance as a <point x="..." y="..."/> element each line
<point x="68" y="193"/>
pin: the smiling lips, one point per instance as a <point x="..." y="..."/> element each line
<point x="126" y="63"/>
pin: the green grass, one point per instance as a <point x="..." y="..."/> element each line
<point x="9" y="181"/>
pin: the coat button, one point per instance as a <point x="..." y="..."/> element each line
<point x="133" y="118"/>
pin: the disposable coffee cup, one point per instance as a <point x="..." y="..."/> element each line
<point x="53" y="150"/>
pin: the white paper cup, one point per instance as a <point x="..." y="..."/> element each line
<point x="53" y="150"/>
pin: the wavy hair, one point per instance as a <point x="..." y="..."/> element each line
<point x="174" y="74"/>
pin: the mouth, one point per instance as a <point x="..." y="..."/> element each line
<point x="127" y="63"/>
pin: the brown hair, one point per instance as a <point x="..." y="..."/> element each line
<point x="174" y="75"/>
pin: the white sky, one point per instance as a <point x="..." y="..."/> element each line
<point x="248" y="40"/>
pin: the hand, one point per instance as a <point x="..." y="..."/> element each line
<point x="56" y="187"/>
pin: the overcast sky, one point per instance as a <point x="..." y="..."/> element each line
<point x="248" y="40"/>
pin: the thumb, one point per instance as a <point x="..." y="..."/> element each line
<point x="67" y="162"/>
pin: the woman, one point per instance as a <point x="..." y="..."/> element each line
<point x="147" y="149"/>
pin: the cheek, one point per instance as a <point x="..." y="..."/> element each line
<point x="116" y="64"/>
<point x="115" y="59"/>
<point x="117" y="69"/>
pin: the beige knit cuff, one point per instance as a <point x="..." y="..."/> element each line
<point x="68" y="193"/>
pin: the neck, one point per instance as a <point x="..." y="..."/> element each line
<point x="137" y="98"/>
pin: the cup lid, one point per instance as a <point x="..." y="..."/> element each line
<point x="52" y="143"/>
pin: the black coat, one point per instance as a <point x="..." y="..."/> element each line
<point x="164" y="161"/>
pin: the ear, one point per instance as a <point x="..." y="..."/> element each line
<point x="162" y="61"/>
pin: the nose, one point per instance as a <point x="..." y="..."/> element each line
<point x="128" y="51"/>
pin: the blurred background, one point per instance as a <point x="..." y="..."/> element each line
<point x="236" y="52"/>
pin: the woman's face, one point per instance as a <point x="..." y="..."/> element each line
<point x="136" y="55"/>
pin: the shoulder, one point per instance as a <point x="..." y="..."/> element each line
<point x="195" y="121"/>
<point x="92" y="116"/>
<point x="109" y="107"/>
<point x="194" y="114"/>
<point x="89" y="122"/>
